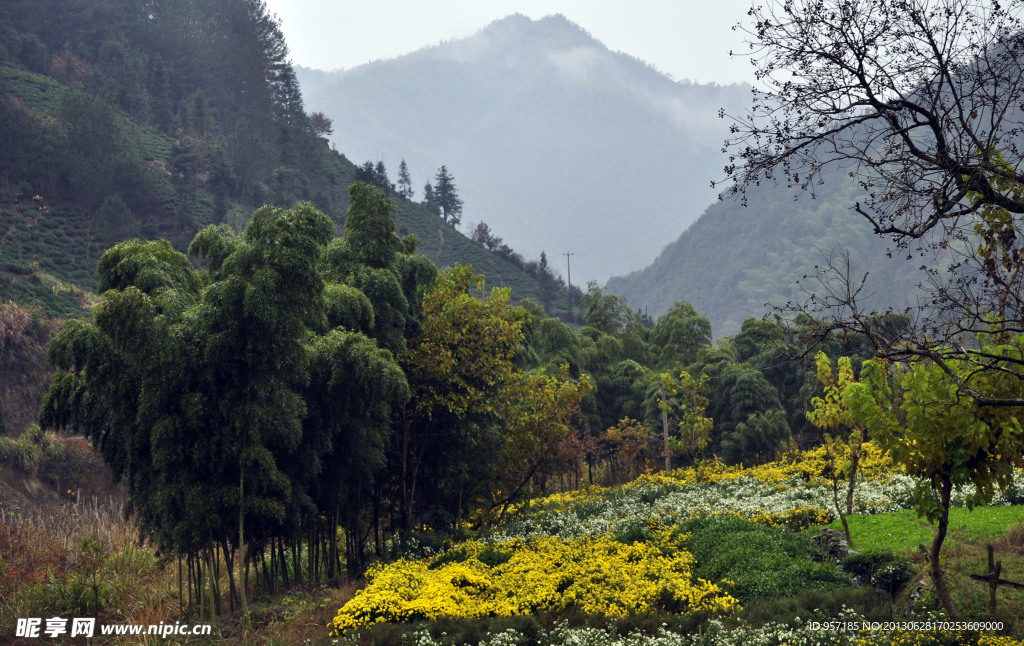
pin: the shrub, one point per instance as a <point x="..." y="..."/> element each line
<point x="597" y="576"/>
<point x="883" y="570"/>
<point x="760" y="560"/>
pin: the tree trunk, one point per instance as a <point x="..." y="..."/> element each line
<point x="842" y="516"/>
<point x="284" y="563"/>
<point x="181" y="603"/>
<point x="210" y="580"/>
<point x="412" y="485"/>
<point x="376" y="520"/>
<point x="241" y="539"/>
<point x="229" y="565"/>
<point x="403" y="500"/>
<point x="935" y="568"/>
<point x="854" y="465"/>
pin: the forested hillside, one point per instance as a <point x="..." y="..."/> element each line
<point x="739" y="260"/>
<point x="123" y="119"/>
<point x="557" y="143"/>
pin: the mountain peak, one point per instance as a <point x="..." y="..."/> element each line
<point x="554" y="30"/>
<point x="549" y="133"/>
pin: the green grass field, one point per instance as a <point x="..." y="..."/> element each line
<point x="904" y="531"/>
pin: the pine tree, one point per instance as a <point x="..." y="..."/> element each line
<point x="430" y="199"/>
<point x="446" y="196"/>
<point x="404" y="181"/>
<point x="382" y="181"/>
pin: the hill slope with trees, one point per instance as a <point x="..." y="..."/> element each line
<point x="738" y="261"/>
<point x="122" y="120"/>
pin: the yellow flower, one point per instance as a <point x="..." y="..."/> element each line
<point x="596" y="576"/>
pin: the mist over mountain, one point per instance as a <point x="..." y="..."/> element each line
<point x="555" y="142"/>
<point x="739" y="261"/>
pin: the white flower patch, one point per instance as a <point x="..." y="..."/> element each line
<point x="632" y="508"/>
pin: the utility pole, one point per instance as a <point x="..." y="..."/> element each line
<point x="568" y="269"/>
<point x="664" y="426"/>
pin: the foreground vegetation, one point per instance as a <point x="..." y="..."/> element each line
<point x="373" y="416"/>
<point x="376" y="417"/>
<point x="717" y="555"/>
<point x="746" y="532"/>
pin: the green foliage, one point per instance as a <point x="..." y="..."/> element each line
<point x="687" y="406"/>
<point x="115" y="220"/>
<point x="883" y="570"/>
<point x="463" y="357"/>
<point x="842" y="451"/>
<point x="940" y="436"/>
<point x="29" y="450"/>
<point x="739" y="392"/>
<point x="678" y="335"/>
<point x="176" y="358"/>
<point x="461" y="371"/>
<point x="759" y="438"/>
<point x="348" y="307"/>
<point x="761" y="560"/>
<point x="369" y="229"/>
<point x="608" y="313"/>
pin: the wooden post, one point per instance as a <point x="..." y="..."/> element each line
<point x="993" y="580"/>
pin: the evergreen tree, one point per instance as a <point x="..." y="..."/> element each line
<point x="430" y="199"/>
<point x="322" y="125"/>
<point x="547" y="282"/>
<point x="381" y="175"/>
<point x="404" y="181"/>
<point x="446" y="196"/>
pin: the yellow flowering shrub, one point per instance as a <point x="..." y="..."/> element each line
<point x="807" y="466"/>
<point x="566" y="499"/>
<point x="797" y="519"/>
<point x="929" y="637"/>
<point x="988" y="639"/>
<point x="596" y="575"/>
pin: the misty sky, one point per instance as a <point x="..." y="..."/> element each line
<point x="687" y="40"/>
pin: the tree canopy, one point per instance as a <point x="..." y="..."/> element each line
<point x="919" y="102"/>
<point x="917" y="414"/>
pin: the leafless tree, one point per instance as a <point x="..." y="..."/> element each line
<point x="922" y="104"/>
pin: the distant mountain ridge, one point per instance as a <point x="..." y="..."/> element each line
<point x="739" y="261"/>
<point x="556" y="142"/>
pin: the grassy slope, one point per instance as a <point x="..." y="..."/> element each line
<point x="964" y="553"/>
<point x="49" y="250"/>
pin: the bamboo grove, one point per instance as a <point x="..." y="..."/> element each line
<point x="286" y="396"/>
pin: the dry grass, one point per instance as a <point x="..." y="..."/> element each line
<point x="85" y="560"/>
<point x="61" y="563"/>
<point x="103" y="521"/>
